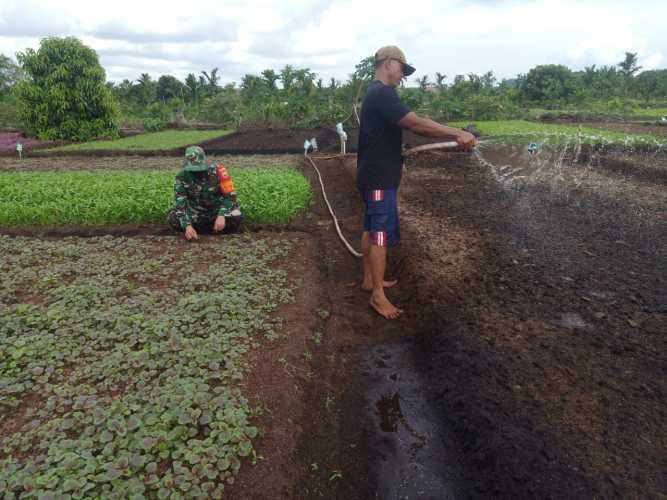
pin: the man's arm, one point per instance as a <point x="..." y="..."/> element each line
<point x="430" y="128"/>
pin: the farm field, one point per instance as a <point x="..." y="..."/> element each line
<point x="529" y="361"/>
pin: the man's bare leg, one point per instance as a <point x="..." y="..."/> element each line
<point x="377" y="257"/>
<point x="367" y="284"/>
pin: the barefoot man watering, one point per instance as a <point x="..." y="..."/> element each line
<point x="383" y="116"/>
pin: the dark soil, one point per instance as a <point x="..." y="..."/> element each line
<point x="547" y="350"/>
<point x="535" y="324"/>
<point x="536" y="321"/>
<point x="271" y="141"/>
<point x="255" y="142"/>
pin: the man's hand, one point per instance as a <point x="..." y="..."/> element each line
<point x="466" y="140"/>
<point x="219" y="224"/>
<point x="190" y="233"/>
<point x="429" y="128"/>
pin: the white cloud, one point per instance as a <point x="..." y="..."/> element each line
<point x="330" y="37"/>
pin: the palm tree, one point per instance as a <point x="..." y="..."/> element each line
<point x="212" y="79"/>
<point x="146" y="88"/>
<point x="193" y="86"/>
<point x="423" y="83"/>
<point x="440" y="80"/>
<point x="271" y="77"/>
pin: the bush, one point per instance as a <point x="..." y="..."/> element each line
<point x="223" y="108"/>
<point x="482" y="107"/>
<point x="8" y="113"/>
<point x="154" y="124"/>
<point x="65" y="95"/>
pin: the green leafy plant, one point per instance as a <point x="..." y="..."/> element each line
<point x="112" y="197"/>
<point x="166" y="139"/>
<point x="119" y="372"/>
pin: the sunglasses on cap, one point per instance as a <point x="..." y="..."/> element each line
<point x="405" y="68"/>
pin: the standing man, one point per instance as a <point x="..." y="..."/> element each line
<point x="379" y="162"/>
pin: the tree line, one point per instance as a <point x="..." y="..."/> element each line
<point x="59" y="92"/>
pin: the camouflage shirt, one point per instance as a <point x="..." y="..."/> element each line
<point x="201" y="197"/>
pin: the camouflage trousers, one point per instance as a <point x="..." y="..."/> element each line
<point x="203" y="223"/>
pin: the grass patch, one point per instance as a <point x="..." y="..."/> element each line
<point x="119" y="374"/>
<point x="521" y="128"/>
<point x="166" y="139"/>
<point x="650" y="112"/>
<point x="120" y="196"/>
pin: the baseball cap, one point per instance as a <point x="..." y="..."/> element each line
<point x="393" y="52"/>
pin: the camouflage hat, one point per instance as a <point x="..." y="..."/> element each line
<point x="195" y="160"/>
<point x="393" y="52"/>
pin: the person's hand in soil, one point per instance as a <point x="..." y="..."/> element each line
<point x="190" y="233"/>
<point x="219" y="224"/>
<point x="466" y="140"/>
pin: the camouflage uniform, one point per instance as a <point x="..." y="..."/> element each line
<point x="199" y="199"/>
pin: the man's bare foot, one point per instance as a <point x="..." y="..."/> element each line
<point x="385" y="284"/>
<point x="384" y="307"/>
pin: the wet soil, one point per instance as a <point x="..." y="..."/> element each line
<point x="532" y="350"/>
<point x="543" y="315"/>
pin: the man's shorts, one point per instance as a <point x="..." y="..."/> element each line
<point x="381" y="216"/>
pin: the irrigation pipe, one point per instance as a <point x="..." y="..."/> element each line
<point x="427" y="147"/>
<point x="333" y="216"/>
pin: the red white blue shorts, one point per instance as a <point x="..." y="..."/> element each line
<point x="381" y="216"/>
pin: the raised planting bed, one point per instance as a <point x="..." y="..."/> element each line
<point x="166" y="142"/>
<point x="119" y="197"/>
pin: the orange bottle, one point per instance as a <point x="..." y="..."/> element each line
<point x="226" y="182"/>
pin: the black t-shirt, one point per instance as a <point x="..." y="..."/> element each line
<point x="379" y="154"/>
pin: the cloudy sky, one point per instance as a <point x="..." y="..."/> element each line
<point x="330" y="37"/>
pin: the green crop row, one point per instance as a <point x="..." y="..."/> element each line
<point x="114" y="197"/>
<point x="509" y="128"/>
<point x="166" y="139"/>
<point x="654" y="112"/>
<point x="120" y="362"/>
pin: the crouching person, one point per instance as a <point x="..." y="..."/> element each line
<point x="205" y="198"/>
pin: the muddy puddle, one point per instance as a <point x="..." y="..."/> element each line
<point x="414" y="450"/>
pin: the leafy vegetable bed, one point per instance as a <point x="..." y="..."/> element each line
<point x="120" y="360"/>
<point x="111" y="197"/>
<point x="508" y="128"/>
<point x="167" y="139"/>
